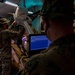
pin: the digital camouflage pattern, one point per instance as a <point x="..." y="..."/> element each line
<point x="57" y="8"/>
<point x="5" y="53"/>
<point x="59" y="59"/>
<point x="5" y="49"/>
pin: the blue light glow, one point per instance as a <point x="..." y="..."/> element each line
<point x="30" y="3"/>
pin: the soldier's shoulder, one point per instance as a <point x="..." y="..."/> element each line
<point x="5" y="33"/>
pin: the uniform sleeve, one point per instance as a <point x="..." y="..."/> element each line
<point x="31" y="66"/>
<point x="40" y="66"/>
<point x="15" y="34"/>
<point x="12" y="25"/>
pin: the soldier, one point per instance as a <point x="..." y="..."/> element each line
<point x="6" y="34"/>
<point x="59" y="59"/>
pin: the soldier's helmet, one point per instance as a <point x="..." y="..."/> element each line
<point x="3" y="21"/>
<point x="57" y="8"/>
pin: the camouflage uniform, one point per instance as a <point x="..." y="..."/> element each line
<point x="59" y="59"/>
<point x="5" y="49"/>
<point x="5" y="52"/>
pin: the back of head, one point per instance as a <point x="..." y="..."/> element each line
<point x="58" y="9"/>
<point x="58" y="17"/>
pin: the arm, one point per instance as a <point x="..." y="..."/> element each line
<point x="12" y="25"/>
<point x="40" y="66"/>
<point x="15" y="34"/>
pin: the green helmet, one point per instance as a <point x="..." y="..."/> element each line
<point x="4" y="20"/>
<point x="58" y="8"/>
